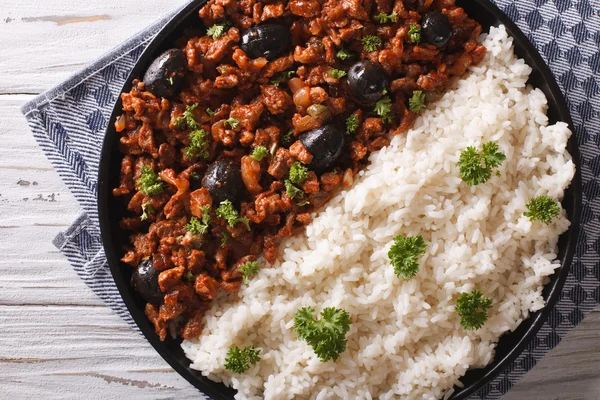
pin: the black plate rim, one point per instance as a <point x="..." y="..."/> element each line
<point x="194" y="377"/>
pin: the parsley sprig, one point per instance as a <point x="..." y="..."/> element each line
<point x="336" y="73"/>
<point x="384" y="18"/>
<point x="293" y="191"/>
<point x="199" y="226"/>
<point x="371" y="42"/>
<point x="405" y="254"/>
<point x="352" y="124"/>
<point x="287" y="138"/>
<point x="383" y="108"/>
<point x="476" y="166"/>
<point x="259" y="153"/>
<point x="227" y="211"/>
<point x="240" y="360"/>
<point x="414" y="33"/>
<point x="232" y="122"/>
<point x="472" y="309"/>
<point x="149" y="182"/>
<point x="298" y="173"/>
<point x="417" y="102"/>
<point x="249" y="269"/>
<point x="326" y="336"/>
<point x="542" y="208"/>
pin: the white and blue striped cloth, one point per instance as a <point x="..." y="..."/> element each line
<point x="69" y="123"/>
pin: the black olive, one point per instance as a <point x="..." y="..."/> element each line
<point x="165" y="75"/>
<point x="436" y="29"/>
<point x="145" y="282"/>
<point x="325" y="144"/>
<point x="367" y="81"/>
<point x="223" y="179"/>
<point x="268" y="40"/>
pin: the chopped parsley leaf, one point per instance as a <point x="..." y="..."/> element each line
<point x="542" y="208"/>
<point x="384" y="18"/>
<point x="371" y="42"/>
<point x="189" y="277"/>
<point x="282" y="76"/>
<point x="298" y="173"/>
<point x="232" y="122"/>
<point x="228" y="212"/>
<point x="249" y="269"/>
<point x="187" y="120"/>
<point x="259" y="153"/>
<point x="197" y="226"/>
<point x="414" y="34"/>
<point x="287" y="138"/>
<point x="149" y="182"/>
<point x="216" y="31"/>
<point x="293" y="191"/>
<point x="336" y="73"/>
<point x="146" y="209"/>
<point x="344" y="54"/>
<point x="383" y="108"/>
<point x="352" y="124"/>
<point x="198" y="144"/>
<point x="210" y="112"/>
<point x="417" y="102"/>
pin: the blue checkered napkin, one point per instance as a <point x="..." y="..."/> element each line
<point x="69" y="121"/>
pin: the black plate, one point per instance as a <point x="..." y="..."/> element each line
<point x="111" y="209"/>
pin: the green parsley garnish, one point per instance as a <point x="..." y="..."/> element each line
<point x="344" y="54"/>
<point x="405" y="254"/>
<point x="326" y="336"/>
<point x="292" y="190"/>
<point x="199" y="227"/>
<point x="371" y="42"/>
<point x="352" y="124"/>
<point x="195" y="176"/>
<point x="189" y="277"/>
<point x="210" y="112"/>
<point x="282" y="76"/>
<point x="417" y="102"/>
<point x="336" y="73"/>
<point x="542" y="208"/>
<point x="187" y="119"/>
<point x="414" y="33"/>
<point x="149" y="182"/>
<point x="228" y="212"/>
<point x="198" y="144"/>
<point x="249" y="269"/>
<point x="224" y="238"/>
<point x="240" y="360"/>
<point x="472" y="308"/>
<point x="383" y="108"/>
<point x="146" y="209"/>
<point x="216" y="31"/>
<point x="298" y="173"/>
<point x="384" y="18"/>
<point x="259" y="153"/>
<point x="287" y="138"/>
<point x="232" y="122"/>
<point x="476" y="166"/>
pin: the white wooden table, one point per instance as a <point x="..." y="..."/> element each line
<point x="57" y="339"/>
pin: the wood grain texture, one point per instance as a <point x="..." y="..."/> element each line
<point x="58" y="340"/>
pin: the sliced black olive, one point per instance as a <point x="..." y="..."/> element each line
<point x="436" y="28"/>
<point x="367" y="81"/>
<point x="325" y="144"/>
<point x="165" y="75"/>
<point x="223" y="179"/>
<point x="145" y="282"/>
<point x="268" y="40"/>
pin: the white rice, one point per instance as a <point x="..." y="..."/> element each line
<point x="406" y="340"/>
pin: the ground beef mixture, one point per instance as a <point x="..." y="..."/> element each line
<point x="234" y="138"/>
